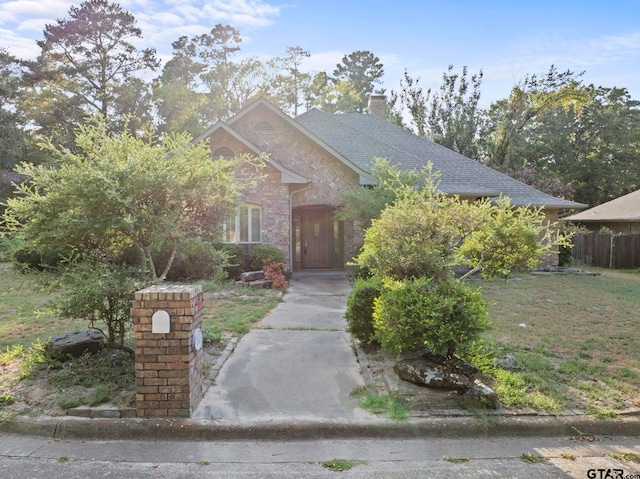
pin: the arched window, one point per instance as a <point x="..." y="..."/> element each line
<point x="224" y="152"/>
<point x="244" y="226"/>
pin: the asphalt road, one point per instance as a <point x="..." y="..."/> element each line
<point x="44" y="458"/>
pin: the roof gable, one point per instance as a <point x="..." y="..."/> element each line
<point x="286" y="175"/>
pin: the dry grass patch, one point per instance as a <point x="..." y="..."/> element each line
<point x="577" y="335"/>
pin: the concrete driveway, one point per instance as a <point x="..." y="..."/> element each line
<point x="298" y="365"/>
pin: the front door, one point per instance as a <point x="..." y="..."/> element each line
<point x="317" y="232"/>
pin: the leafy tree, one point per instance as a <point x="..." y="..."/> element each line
<point x="332" y="96"/>
<point x="565" y="138"/>
<point x="607" y="147"/>
<point x="451" y="116"/>
<point x="12" y="139"/>
<point x="88" y="60"/>
<point x="120" y="191"/>
<point x="364" y="204"/>
<point x="511" y="120"/>
<point x="427" y="233"/>
<point x="363" y="70"/>
<point x="287" y="84"/>
<point x="208" y="84"/>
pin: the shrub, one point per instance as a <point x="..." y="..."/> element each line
<point x="359" y="271"/>
<point x="28" y="258"/>
<point x="236" y="259"/>
<point x="359" y="312"/>
<point x="275" y="273"/>
<point x="197" y="259"/>
<point x="100" y="293"/>
<point x="261" y="254"/>
<point x="422" y="313"/>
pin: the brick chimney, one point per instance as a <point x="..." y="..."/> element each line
<point x="378" y="105"/>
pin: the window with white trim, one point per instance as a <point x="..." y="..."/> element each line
<point x="245" y="226"/>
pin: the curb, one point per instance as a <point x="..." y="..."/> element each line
<point x="210" y="430"/>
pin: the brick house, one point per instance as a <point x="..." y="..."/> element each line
<point x="315" y="157"/>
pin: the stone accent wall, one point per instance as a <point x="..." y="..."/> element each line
<point x="168" y="369"/>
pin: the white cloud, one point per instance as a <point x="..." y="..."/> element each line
<point x="14" y="11"/>
<point x="18" y="46"/>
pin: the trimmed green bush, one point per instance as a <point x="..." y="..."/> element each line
<point x="262" y="253"/>
<point x="359" y="312"/>
<point x="422" y="313"/>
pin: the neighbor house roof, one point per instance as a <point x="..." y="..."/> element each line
<point x="625" y="208"/>
<point x="361" y="137"/>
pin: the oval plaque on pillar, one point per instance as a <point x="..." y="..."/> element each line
<point x="197" y="339"/>
<point x="160" y="322"/>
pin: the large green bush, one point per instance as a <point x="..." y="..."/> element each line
<point x="196" y="260"/>
<point x="359" y="312"/>
<point x="422" y="313"/>
<point x="261" y="254"/>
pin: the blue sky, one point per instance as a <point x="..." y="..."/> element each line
<point x="506" y="38"/>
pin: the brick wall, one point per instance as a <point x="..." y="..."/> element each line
<point x="168" y="369"/>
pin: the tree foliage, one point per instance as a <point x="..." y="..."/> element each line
<point x="87" y="62"/>
<point x="209" y="84"/>
<point x="287" y="84"/>
<point x="565" y="138"/>
<point x="451" y="116"/>
<point x="119" y="191"/>
<point x="363" y="70"/>
<point x="363" y="204"/>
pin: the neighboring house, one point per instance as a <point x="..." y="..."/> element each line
<point x="315" y="157"/>
<point x="621" y="215"/>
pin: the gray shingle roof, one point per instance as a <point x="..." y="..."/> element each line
<point x="361" y="138"/>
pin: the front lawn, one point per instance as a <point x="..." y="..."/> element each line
<point x="33" y="383"/>
<point x="577" y="335"/>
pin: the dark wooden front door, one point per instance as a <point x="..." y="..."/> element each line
<point x="317" y="232"/>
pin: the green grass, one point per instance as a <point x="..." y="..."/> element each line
<point x="25" y="312"/>
<point x="339" y="465"/>
<point x="236" y="313"/>
<point x="627" y="457"/>
<point x="375" y="403"/>
<point x="580" y="346"/>
<point x="531" y="458"/>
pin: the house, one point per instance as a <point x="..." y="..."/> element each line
<point x="315" y="157"/>
<point x="622" y="215"/>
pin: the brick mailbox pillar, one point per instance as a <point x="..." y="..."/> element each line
<point x="167" y="322"/>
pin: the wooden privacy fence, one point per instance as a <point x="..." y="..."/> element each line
<point x="606" y="250"/>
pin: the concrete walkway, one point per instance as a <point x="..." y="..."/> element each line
<point x="299" y="363"/>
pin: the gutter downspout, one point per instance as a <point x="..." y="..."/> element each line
<point x="291" y="193"/>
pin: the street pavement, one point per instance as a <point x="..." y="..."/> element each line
<point x="42" y="458"/>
